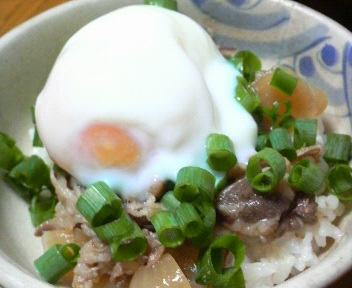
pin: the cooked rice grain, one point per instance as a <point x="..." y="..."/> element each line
<point x="272" y="263"/>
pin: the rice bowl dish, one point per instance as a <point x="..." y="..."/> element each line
<point x="298" y="249"/>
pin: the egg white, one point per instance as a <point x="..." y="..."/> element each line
<point x="157" y="74"/>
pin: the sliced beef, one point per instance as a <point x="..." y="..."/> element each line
<point x="142" y="211"/>
<point x="240" y="200"/>
<point x="251" y="213"/>
<point x="245" y="211"/>
<point x="304" y="210"/>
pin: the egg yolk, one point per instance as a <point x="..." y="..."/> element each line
<point x="109" y="146"/>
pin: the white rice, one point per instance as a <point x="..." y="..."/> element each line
<point x="272" y="263"/>
<point x="269" y="264"/>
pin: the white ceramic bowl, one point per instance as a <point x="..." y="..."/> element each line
<point x="279" y="31"/>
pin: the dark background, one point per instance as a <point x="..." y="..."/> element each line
<point x="341" y="12"/>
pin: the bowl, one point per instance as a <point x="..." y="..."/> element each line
<point x="280" y="32"/>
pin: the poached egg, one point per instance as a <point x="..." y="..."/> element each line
<point x="133" y="96"/>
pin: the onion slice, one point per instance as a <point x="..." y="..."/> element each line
<point x="164" y="273"/>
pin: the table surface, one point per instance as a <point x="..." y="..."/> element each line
<point x="15" y="12"/>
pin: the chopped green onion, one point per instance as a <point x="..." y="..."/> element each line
<point x="222" y="184"/>
<point x="167" y="228"/>
<point x="208" y="216"/>
<point x="305" y="132"/>
<point x="210" y="266"/>
<point x="169" y="4"/>
<point x="236" y="62"/>
<point x="287" y="122"/>
<point x="248" y="63"/>
<point x="169" y="201"/>
<point x="339" y="182"/>
<point x="103" y="210"/>
<point x="236" y="281"/>
<point x="99" y="204"/>
<point x="262" y="142"/>
<point x="221" y="156"/>
<point x="246" y="95"/>
<point x="279" y="119"/>
<point x="30" y="178"/>
<point x="169" y="185"/>
<point x="120" y="227"/>
<point x="36" y="139"/>
<point x="306" y="177"/>
<point x="280" y="141"/>
<point x="31" y="173"/>
<point x="25" y="193"/>
<point x="10" y="154"/>
<point x="264" y="180"/>
<point x="42" y="208"/>
<point x="189" y="219"/>
<point x="57" y="261"/>
<point x="284" y="81"/>
<point x="338" y="148"/>
<point x="129" y="247"/>
<point x="194" y="182"/>
<point x="258" y="116"/>
<point x="287" y="112"/>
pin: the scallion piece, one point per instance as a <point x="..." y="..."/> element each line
<point x="306" y="177"/>
<point x="208" y="216"/>
<point x="169" y="201"/>
<point x="99" y="204"/>
<point x="37" y="142"/>
<point x="248" y="63"/>
<point x="169" y="185"/>
<point x="287" y="122"/>
<point x="284" y="81"/>
<point x="130" y="246"/>
<point x="280" y="141"/>
<point x="262" y="142"/>
<point x="338" y="148"/>
<point x="221" y="184"/>
<point x="194" y="182"/>
<point x="278" y="116"/>
<point x="10" y="154"/>
<point x="167" y="228"/>
<point x="32" y="173"/>
<point x="57" y="261"/>
<point x="236" y="62"/>
<point x="210" y="264"/>
<point x="189" y="219"/>
<point x="236" y="281"/>
<point x="305" y="132"/>
<point x="339" y="182"/>
<point x="169" y="4"/>
<point x="42" y="208"/>
<point x="221" y="156"/>
<point x="25" y="193"/>
<point x="246" y="95"/>
<point x="118" y="228"/>
<point x="264" y="180"/>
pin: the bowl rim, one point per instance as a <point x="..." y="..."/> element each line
<point x="9" y="272"/>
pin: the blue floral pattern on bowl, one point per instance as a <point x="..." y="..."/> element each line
<point x="310" y="49"/>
